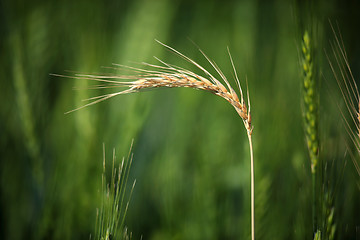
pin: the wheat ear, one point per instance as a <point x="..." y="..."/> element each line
<point x="171" y="76"/>
<point x="311" y="118"/>
<point x="111" y="216"/>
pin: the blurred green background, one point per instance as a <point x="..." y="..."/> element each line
<point x="191" y="158"/>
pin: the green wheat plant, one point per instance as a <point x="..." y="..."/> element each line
<point x="329" y="224"/>
<point x="310" y="116"/>
<point x="170" y="76"/>
<point x="317" y="235"/>
<point x="111" y="216"/>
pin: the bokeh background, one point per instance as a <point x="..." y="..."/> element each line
<point x="191" y="158"/>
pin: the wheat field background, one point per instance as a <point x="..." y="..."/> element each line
<point x="190" y="150"/>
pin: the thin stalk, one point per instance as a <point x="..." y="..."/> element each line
<point x="252" y="182"/>
<point x="314" y="196"/>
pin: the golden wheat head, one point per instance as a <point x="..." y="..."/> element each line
<point x="171" y="76"/>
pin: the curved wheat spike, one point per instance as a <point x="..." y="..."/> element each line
<point x="171" y="76"/>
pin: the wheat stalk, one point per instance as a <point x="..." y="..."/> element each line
<point x="171" y="76"/>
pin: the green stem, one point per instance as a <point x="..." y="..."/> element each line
<point x="252" y="183"/>
<point x="314" y="208"/>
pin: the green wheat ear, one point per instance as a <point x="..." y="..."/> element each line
<point x="328" y="213"/>
<point x="111" y="216"/>
<point x="310" y="103"/>
<point x="317" y="235"/>
<point x="310" y="118"/>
